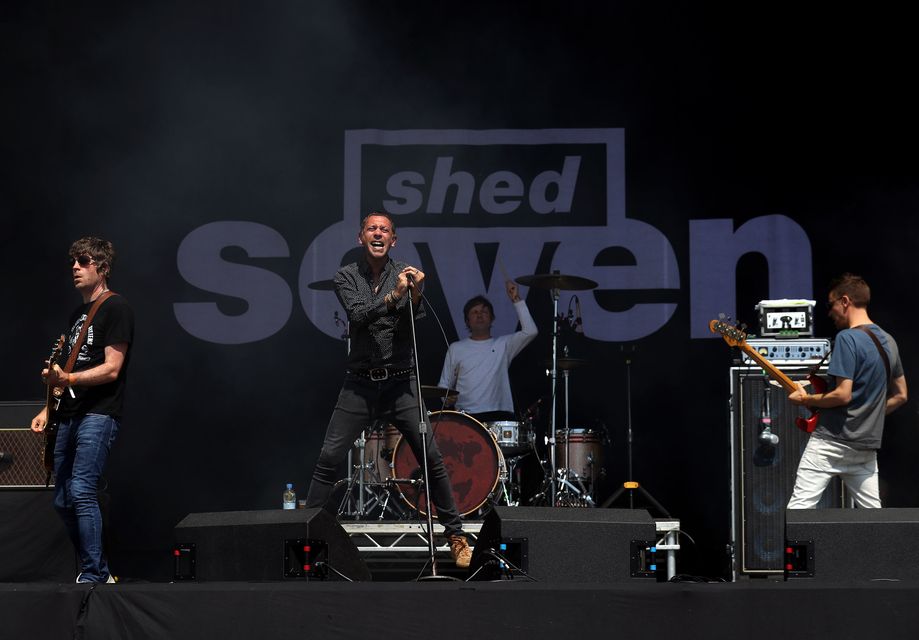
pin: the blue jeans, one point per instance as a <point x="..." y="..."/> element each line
<point x="80" y="452"/>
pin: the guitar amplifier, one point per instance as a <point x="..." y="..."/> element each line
<point x="21" y="449"/>
<point x="763" y="469"/>
<point x="790" y="351"/>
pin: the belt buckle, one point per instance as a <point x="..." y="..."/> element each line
<point x="379" y="375"/>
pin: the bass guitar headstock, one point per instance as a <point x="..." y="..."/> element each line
<point x="734" y="335"/>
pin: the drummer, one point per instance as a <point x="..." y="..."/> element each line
<point x="477" y="367"/>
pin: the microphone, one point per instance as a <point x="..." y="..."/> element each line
<point x="578" y="325"/>
<point x="766" y="436"/>
<point x="6" y="457"/>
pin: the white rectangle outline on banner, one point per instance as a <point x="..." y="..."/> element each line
<point x="356" y="139"/>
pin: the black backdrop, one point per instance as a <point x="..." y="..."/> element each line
<point x="143" y="121"/>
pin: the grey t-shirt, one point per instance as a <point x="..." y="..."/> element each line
<point x="855" y="357"/>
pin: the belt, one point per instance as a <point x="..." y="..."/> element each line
<point x="380" y="373"/>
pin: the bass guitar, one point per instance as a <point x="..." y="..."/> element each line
<point x="737" y="337"/>
<point x="52" y="401"/>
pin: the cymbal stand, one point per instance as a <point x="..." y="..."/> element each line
<point x="554" y="376"/>
<point x="630" y="485"/>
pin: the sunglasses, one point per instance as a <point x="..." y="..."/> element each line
<point x="83" y="261"/>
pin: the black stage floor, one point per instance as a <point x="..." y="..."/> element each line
<point x="752" y="609"/>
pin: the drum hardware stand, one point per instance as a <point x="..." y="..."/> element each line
<point x="367" y="498"/>
<point x="555" y="282"/>
<point x="631" y="485"/>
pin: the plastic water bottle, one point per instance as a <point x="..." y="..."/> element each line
<point x="289" y="498"/>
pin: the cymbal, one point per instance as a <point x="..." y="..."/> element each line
<point x="322" y="285"/>
<point x="557" y="281"/>
<point x="430" y="391"/>
<point x="566" y="364"/>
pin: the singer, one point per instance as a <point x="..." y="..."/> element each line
<point x="380" y="378"/>
<point x="477" y="367"/>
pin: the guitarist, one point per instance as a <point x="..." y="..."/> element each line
<point x="91" y="391"/>
<point x="869" y="385"/>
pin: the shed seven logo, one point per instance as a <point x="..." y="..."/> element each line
<point x="514" y="196"/>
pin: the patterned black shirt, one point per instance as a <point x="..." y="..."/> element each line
<point x="379" y="336"/>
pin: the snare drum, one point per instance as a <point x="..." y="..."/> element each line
<point x="514" y="438"/>
<point x="473" y="459"/>
<point x="580" y="451"/>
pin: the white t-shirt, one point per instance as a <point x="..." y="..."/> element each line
<point x="477" y="369"/>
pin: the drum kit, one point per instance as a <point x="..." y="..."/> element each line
<point x="482" y="458"/>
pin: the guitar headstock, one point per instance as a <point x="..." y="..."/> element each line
<point x="56" y="351"/>
<point x="733" y="335"/>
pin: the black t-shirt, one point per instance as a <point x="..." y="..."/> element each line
<point x="113" y="324"/>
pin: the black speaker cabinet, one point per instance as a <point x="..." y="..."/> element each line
<point x="21" y="449"/>
<point x="565" y="544"/>
<point x="763" y="472"/>
<point x="264" y="545"/>
<point x="846" y="545"/>
<point x="34" y="546"/>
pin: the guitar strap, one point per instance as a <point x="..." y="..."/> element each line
<point x="877" y="343"/>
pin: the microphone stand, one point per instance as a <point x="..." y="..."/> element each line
<point x="423" y="430"/>
<point x="630" y="484"/>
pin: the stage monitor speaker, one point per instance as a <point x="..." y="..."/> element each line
<point x="565" y="545"/>
<point x="763" y="470"/>
<point x="258" y="545"/>
<point x="21" y="450"/>
<point x="846" y="545"/>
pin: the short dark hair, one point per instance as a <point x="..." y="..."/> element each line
<point x="849" y="284"/>
<point x="475" y="302"/>
<point x="101" y="251"/>
<point x="392" y="223"/>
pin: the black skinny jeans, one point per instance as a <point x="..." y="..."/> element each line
<point x="362" y="402"/>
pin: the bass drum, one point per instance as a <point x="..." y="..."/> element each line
<point x="474" y="462"/>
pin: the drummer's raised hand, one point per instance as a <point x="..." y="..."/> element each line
<point x="512" y="291"/>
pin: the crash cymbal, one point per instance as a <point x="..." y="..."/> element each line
<point x="429" y="391"/>
<point x="322" y="285"/>
<point x="566" y="364"/>
<point x="557" y="281"/>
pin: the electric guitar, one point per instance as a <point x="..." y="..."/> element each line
<point x="737" y="337"/>
<point x="52" y="401"/>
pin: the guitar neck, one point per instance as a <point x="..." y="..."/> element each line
<point x="787" y="383"/>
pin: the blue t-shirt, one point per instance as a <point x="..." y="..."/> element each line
<point x="855" y="357"/>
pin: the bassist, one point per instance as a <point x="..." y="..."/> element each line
<point x="869" y="385"/>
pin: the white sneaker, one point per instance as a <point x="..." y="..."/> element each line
<point x="110" y="580"/>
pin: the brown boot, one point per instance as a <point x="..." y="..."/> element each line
<point x="462" y="552"/>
